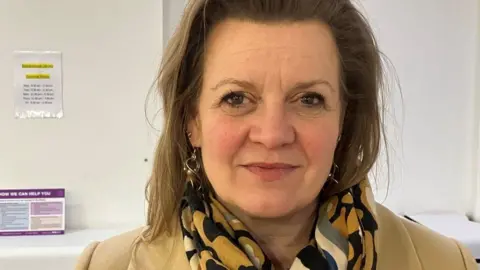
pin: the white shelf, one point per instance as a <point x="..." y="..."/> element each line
<point x="50" y="252"/>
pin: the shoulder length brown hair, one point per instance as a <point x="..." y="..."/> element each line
<point x="180" y="80"/>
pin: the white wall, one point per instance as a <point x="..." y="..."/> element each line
<point x="98" y="149"/>
<point x="432" y="44"/>
<point x="111" y="50"/>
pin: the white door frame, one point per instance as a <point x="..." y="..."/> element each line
<point x="476" y="157"/>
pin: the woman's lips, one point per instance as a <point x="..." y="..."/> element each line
<point x="270" y="172"/>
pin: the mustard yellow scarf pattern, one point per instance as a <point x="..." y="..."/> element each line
<point x="343" y="238"/>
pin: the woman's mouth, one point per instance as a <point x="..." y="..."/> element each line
<point x="270" y="172"/>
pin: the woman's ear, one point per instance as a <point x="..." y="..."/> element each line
<point x="194" y="132"/>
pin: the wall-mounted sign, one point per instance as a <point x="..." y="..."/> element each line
<point x="38" y="84"/>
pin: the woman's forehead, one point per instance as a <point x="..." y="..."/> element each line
<point x="252" y="51"/>
<point x="238" y="37"/>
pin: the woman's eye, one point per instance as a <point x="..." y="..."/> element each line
<point x="312" y="99"/>
<point x="234" y="99"/>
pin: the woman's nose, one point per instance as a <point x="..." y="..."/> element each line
<point x="272" y="127"/>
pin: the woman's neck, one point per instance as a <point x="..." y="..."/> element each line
<point x="281" y="238"/>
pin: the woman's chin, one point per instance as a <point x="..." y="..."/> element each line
<point x="265" y="207"/>
<point x="266" y="203"/>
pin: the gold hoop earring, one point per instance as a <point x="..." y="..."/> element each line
<point x="191" y="167"/>
<point x="331" y="175"/>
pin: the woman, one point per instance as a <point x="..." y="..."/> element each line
<point x="272" y="123"/>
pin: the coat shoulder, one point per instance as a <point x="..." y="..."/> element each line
<point x="413" y="246"/>
<point x="113" y="253"/>
<point x="130" y="251"/>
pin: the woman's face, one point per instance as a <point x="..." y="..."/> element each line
<point x="269" y="115"/>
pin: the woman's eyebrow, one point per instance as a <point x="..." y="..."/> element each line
<point x="309" y="84"/>
<point x="241" y="83"/>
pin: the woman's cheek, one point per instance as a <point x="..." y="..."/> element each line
<point x="319" y="144"/>
<point x="223" y="137"/>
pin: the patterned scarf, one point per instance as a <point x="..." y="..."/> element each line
<point x="343" y="238"/>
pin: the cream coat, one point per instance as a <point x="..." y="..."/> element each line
<point x="402" y="245"/>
